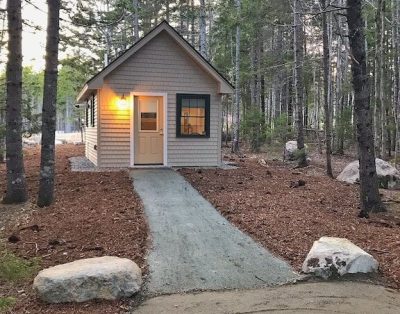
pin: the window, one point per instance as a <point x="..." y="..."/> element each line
<point x="90" y="111"/>
<point x="148" y="115"/>
<point x="87" y="113"/>
<point x="193" y="115"/>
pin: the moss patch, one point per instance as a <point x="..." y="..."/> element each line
<point x="6" y="303"/>
<point x="14" y="268"/>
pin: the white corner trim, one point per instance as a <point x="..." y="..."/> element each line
<point x="131" y="132"/>
<point x="165" y="127"/>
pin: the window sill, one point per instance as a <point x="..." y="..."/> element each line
<point x="193" y="136"/>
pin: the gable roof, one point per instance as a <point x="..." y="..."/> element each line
<point x="96" y="82"/>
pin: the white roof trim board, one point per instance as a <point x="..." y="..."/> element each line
<point x="97" y="81"/>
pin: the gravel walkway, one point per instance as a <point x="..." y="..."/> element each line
<point x="82" y="164"/>
<point x="194" y="247"/>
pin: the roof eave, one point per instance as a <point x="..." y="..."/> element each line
<point x="226" y="89"/>
<point x="83" y="94"/>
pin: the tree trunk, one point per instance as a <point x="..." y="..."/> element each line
<point x="192" y="15"/>
<point x="369" y="192"/>
<point x="203" y="32"/>
<point x="262" y="98"/>
<point x="47" y="160"/>
<point x="167" y="10"/>
<point x="396" y="82"/>
<point x="236" y="126"/>
<point x="16" y="182"/>
<point x="327" y="110"/>
<point x="377" y="79"/>
<point x="253" y="77"/>
<point x="210" y="28"/>
<point x="2" y="136"/>
<point x="298" y="80"/>
<point x="382" y="77"/>
<point x="135" y="21"/>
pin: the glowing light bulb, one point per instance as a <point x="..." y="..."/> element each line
<point x="122" y="103"/>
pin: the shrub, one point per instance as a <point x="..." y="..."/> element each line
<point x="253" y="129"/>
<point x="282" y="131"/>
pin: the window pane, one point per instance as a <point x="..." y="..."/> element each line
<point x="201" y="103"/>
<point x="197" y="112"/>
<point x="148" y="114"/>
<point x="185" y="103"/>
<point x="185" y="111"/>
<point x="148" y="121"/>
<point x="193" y="126"/>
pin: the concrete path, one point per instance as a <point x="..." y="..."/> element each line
<point x="194" y="247"/>
<point x="340" y="297"/>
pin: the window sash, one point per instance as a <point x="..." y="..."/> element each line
<point x="92" y="111"/>
<point x="199" y="102"/>
<point x="87" y="113"/>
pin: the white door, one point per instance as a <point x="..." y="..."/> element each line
<point x="148" y="139"/>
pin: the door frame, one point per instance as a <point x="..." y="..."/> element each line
<point x="132" y="128"/>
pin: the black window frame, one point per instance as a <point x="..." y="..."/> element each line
<point x="87" y="111"/>
<point x="92" y="112"/>
<point x="179" y="98"/>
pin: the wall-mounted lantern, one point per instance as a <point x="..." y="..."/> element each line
<point x="122" y="102"/>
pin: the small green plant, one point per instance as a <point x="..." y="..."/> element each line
<point x="301" y="155"/>
<point x="253" y="129"/>
<point x="6" y="303"/>
<point x="282" y="131"/>
<point x="14" y="268"/>
<point x="344" y="127"/>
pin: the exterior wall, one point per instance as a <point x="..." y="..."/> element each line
<point x="91" y="137"/>
<point x="114" y="130"/>
<point x="161" y="66"/>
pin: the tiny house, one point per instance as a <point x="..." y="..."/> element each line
<point x="159" y="103"/>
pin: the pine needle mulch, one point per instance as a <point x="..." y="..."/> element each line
<point x="95" y="214"/>
<point x="265" y="201"/>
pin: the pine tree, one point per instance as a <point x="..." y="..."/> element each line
<point x="203" y="31"/>
<point x="16" y="182"/>
<point x="299" y="80"/>
<point x="369" y="192"/>
<point x="236" y="114"/>
<point x="47" y="160"/>
<point x="326" y="63"/>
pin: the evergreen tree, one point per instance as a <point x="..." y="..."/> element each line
<point x="16" y="182"/>
<point x="369" y="192"/>
<point x="47" y="160"/>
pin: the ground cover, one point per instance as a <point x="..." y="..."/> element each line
<point x="95" y="214"/>
<point x="264" y="199"/>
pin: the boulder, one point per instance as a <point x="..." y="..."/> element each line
<point x="388" y="176"/>
<point x="105" y="277"/>
<point x="290" y="151"/>
<point x="29" y="142"/>
<point x="330" y="257"/>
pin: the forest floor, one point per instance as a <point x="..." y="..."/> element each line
<point x="264" y="200"/>
<point x="95" y="214"/>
